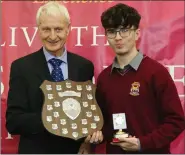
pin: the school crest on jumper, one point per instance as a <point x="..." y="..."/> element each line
<point x="134" y="91"/>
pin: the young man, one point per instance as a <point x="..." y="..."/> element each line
<point x="54" y="63"/>
<point x="138" y="87"/>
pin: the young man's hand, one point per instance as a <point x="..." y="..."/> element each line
<point x="128" y="144"/>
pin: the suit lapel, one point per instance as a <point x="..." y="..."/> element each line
<point x="42" y="70"/>
<point x="72" y="68"/>
<point x="41" y="66"/>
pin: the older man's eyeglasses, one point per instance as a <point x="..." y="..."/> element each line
<point x="123" y="32"/>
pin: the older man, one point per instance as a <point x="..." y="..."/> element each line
<point x="25" y="99"/>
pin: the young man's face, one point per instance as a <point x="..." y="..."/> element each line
<point x="122" y="40"/>
<point x="53" y="31"/>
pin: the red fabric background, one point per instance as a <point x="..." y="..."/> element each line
<point x="162" y="28"/>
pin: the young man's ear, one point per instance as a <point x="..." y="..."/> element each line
<point x="138" y="33"/>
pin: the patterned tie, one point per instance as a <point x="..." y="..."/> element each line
<point x="56" y="73"/>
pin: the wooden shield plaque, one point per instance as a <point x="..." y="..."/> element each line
<point x="70" y="109"/>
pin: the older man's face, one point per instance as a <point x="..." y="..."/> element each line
<point x="53" y="31"/>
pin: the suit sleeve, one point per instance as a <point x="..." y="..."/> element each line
<point x="19" y="119"/>
<point x="171" y="113"/>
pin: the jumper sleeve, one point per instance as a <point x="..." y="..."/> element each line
<point x="170" y="110"/>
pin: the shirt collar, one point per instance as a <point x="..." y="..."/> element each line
<point x="49" y="56"/>
<point x="134" y="63"/>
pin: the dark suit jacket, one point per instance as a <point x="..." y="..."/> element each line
<point x="25" y="100"/>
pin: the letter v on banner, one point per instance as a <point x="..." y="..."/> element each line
<point x="29" y="40"/>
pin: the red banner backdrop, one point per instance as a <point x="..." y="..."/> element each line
<point x="162" y="28"/>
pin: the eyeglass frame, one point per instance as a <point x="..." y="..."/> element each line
<point x="118" y="30"/>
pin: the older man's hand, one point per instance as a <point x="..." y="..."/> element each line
<point x="95" y="138"/>
<point x="85" y="148"/>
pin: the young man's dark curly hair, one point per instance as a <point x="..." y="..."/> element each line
<point x="120" y="15"/>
